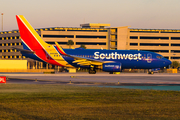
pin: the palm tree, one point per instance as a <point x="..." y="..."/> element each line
<point x="69" y="43"/>
<point x="175" y="64"/>
<point x="82" y="46"/>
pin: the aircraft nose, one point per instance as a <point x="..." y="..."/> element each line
<point x="168" y="62"/>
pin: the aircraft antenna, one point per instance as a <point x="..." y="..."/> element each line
<point x="2" y="20"/>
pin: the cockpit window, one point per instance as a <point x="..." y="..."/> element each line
<point x="159" y="57"/>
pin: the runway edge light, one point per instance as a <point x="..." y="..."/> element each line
<point x="2" y="79"/>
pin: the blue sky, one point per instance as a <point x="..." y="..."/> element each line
<point x="152" y="14"/>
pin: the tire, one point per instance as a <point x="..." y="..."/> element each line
<point x="92" y="72"/>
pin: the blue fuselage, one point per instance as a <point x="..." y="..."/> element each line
<point x="128" y="58"/>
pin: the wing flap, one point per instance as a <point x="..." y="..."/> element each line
<point x="77" y="61"/>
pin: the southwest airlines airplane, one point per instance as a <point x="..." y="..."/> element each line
<point x="107" y="60"/>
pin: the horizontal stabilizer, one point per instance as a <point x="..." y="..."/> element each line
<point x="23" y="50"/>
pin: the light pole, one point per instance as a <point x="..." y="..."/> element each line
<point x="2" y="21"/>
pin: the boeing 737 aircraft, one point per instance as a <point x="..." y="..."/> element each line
<point x="107" y="60"/>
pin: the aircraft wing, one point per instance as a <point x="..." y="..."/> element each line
<point x="87" y="61"/>
<point x="81" y="60"/>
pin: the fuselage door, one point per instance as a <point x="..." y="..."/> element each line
<point x="47" y="57"/>
<point x="149" y="58"/>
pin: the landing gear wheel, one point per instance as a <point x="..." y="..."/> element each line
<point x="92" y="71"/>
<point x="150" y="72"/>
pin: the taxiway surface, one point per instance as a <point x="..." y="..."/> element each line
<point x="97" y="79"/>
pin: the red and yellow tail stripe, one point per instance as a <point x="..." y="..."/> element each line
<point x="35" y="43"/>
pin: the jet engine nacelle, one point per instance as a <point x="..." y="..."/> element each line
<point x="111" y="67"/>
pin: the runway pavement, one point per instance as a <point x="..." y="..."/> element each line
<point x="94" y="79"/>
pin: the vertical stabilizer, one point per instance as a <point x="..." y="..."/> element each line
<point x="34" y="42"/>
<point x="28" y="35"/>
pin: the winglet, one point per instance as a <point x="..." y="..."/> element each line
<point x="60" y="49"/>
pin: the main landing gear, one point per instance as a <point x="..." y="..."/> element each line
<point x="150" y="71"/>
<point x="92" y="70"/>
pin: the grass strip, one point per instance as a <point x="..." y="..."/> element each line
<point x="47" y="102"/>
